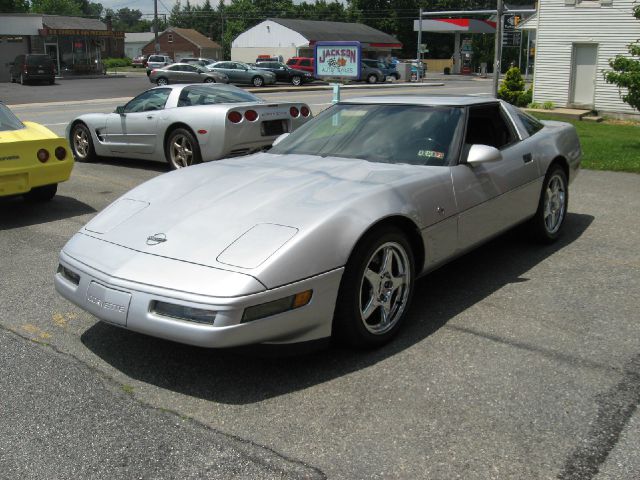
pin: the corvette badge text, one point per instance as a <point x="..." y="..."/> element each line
<point x="106" y="305"/>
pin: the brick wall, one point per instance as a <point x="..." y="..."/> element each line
<point x="179" y="44"/>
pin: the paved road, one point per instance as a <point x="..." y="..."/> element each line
<point x="518" y="361"/>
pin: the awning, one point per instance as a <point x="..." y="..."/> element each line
<point x="453" y="25"/>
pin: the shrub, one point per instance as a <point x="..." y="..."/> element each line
<point x="447" y="71"/>
<point x="512" y="88"/>
<point x="110" y="63"/>
<point x="548" y="105"/>
<point x="534" y="105"/>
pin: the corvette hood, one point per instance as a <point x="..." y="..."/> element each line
<point x="237" y="213"/>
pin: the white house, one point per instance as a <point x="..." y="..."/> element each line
<point x="575" y="40"/>
<point x="288" y="37"/>
<point x="133" y="43"/>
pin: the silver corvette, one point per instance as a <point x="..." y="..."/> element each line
<point x="184" y="125"/>
<point x="326" y="233"/>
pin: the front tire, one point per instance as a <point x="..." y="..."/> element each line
<point x="375" y="290"/>
<point x="372" y="78"/>
<point x="42" y="194"/>
<point x="162" y="82"/>
<point x="296" y="81"/>
<point x="257" y="81"/>
<point x="182" y="149"/>
<point x="209" y="80"/>
<point x="82" y="143"/>
<point x="546" y="225"/>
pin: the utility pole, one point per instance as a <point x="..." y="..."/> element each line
<point x="419" y="52"/>
<point x="155" y="26"/>
<point x="498" y="48"/>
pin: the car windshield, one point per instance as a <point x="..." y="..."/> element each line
<point x="8" y="121"/>
<point x="416" y="135"/>
<point x="213" y="94"/>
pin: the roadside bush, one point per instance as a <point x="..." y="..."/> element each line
<point x="110" y="63"/>
<point x="447" y="71"/>
<point x="534" y="105"/>
<point x="548" y="105"/>
<point x="512" y="89"/>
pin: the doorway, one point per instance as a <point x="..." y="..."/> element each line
<point x="51" y="49"/>
<point x="583" y="74"/>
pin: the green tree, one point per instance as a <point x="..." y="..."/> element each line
<point x="512" y="89"/>
<point x="626" y="72"/>
<point x="56" y="7"/>
<point x="14" y="6"/>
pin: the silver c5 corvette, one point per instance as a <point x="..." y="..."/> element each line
<point x="184" y="125"/>
<point x="325" y="234"/>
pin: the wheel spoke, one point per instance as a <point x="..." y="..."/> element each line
<point x="387" y="260"/>
<point x="369" y="308"/>
<point x="372" y="277"/>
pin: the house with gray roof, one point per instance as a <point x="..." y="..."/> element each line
<point x="290" y="37"/>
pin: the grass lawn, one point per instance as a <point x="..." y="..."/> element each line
<point x="609" y="145"/>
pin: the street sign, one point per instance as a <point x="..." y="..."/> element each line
<point x="340" y="60"/>
<point x="511" y="38"/>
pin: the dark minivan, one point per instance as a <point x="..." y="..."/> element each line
<point x="26" y="68"/>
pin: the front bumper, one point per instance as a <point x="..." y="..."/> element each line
<point x="128" y="303"/>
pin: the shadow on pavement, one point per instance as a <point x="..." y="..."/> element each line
<point x="15" y="212"/>
<point x="231" y="377"/>
<point x="161" y="166"/>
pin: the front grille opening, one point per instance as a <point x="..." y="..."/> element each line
<point x="73" y="277"/>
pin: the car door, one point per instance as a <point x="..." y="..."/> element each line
<point x="191" y="74"/>
<point x="135" y="130"/>
<point x="227" y="69"/>
<point x="494" y="196"/>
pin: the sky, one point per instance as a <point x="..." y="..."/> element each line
<point x="146" y="6"/>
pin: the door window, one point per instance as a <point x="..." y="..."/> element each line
<point x="153" y="99"/>
<point x="305" y="62"/>
<point x="487" y="125"/>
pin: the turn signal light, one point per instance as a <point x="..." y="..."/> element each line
<point x="43" y="155"/>
<point x="251" y="115"/>
<point x="305" y="111"/>
<point x="294" y="111"/>
<point x="61" y="153"/>
<point x="277" y="306"/>
<point x="234" y="117"/>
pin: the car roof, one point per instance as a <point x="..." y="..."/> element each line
<point x="430" y="100"/>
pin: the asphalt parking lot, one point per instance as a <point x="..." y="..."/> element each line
<point x="518" y="361"/>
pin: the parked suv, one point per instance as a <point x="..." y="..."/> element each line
<point x="284" y="73"/>
<point x="301" y="63"/>
<point x="389" y="70"/>
<point x="26" y="68"/>
<point x="158" y="61"/>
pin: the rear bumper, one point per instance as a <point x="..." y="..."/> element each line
<point x="129" y="304"/>
<point x="19" y="180"/>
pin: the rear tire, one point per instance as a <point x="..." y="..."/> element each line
<point x="372" y="78"/>
<point x="257" y="81"/>
<point x="209" y="80"/>
<point x="182" y="149"/>
<point x="296" y="81"/>
<point x="546" y="224"/>
<point x="162" y="81"/>
<point x="82" y="143"/>
<point x="375" y="290"/>
<point x="41" y="194"/>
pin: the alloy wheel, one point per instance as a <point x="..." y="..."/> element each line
<point x="181" y="151"/>
<point x="81" y="142"/>
<point x="384" y="288"/>
<point x="554" y="203"/>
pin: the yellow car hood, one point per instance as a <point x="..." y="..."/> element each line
<point x="32" y="131"/>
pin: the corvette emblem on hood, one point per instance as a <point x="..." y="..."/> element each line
<point x="156" y="239"/>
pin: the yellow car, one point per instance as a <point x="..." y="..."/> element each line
<point x="33" y="159"/>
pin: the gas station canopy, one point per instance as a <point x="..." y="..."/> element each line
<point x="455" y="25"/>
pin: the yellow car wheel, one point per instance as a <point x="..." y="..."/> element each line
<point x="81" y="143"/>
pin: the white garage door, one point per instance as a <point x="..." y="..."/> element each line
<point x="10" y="48"/>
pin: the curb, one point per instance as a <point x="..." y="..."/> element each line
<point x="343" y="87"/>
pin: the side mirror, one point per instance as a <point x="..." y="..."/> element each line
<point x="120" y="109"/>
<point x="483" y="154"/>
<point x="280" y="138"/>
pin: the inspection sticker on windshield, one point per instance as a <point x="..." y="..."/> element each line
<point x="430" y="154"/>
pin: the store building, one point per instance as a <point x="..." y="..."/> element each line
<point x="77" y="45"/>
<point x="288" y="37"/>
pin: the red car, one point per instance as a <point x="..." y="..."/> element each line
<point x="301" y="63"/>
<point x="140" y="61"/>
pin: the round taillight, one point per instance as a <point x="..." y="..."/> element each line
<point x="251" y="115"/>
<point x="43" y="155"/>
<point x="294" y="111"/>
<point x="305" y="111"/>
<point x="61" y="153"/>
<point x="234" y="117"/>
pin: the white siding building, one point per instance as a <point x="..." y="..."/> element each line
<point x="575" y="40"/>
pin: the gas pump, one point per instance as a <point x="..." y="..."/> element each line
<point x="466" y="54"/>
